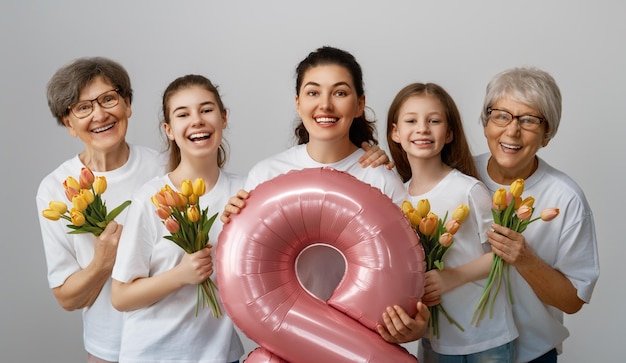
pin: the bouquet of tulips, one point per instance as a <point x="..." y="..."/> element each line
<point x="511" y="211"/>
<point x="189" y="227"/>
<point x="89" y="211"/>
<point x="436" y="237"/>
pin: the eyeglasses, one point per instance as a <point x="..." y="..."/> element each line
<point x="108" y="99"/>
<point x="503" y="118"/>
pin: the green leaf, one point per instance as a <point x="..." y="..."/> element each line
<point x="115" y="212"/>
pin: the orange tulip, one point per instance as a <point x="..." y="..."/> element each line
<point x="163" y="212"/>
<point x="172" y="225"/>
<point x="529" y="201"/>
<point x="428" y="225"/>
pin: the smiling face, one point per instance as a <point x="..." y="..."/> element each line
<point x="421" y="128"/>
<point x="195" y="122"/>
<point x="327" y="103"/>
<point x="104" y="130"/>
<point x="513" y="149"/>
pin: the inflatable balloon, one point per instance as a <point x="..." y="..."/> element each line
<point x="260" y="288"/>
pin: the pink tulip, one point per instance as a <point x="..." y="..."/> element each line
<point x="549" y="214"/>
<point x="453" y="225"/>
<point x="446" y="239"/>
<point x="86" y="178"/>
<point x="524" y="212"/>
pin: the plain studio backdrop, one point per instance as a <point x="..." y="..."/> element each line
<point x="250" y="49"/>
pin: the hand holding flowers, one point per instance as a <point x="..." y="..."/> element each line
<point x="89" y="212"/>
<point x="436" y="237"/>
<point x="510" y="211"/>
<point x="189" y="227"/>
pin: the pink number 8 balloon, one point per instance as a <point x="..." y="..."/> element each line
<point x="256" y="273"/>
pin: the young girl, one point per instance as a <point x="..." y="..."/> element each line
<point x="428" y="145"/>
<point x="154" y="280"/>
<point x="330" y="101"/>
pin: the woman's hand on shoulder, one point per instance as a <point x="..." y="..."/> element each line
<point x="234" y="206"/>
<point x="374" y="156"/>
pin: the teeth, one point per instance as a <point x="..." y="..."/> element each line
<point x="199" y="135"/>
<point x="508" y="146"/>
<point x="422" y="142"/>
<point x="326" y="119"/>
<point x="103" y="128"/>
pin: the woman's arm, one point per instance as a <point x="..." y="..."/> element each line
<point x="83" y="287"/>
<point x="193" y="269"/>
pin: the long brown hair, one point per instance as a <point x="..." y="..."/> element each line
<point x="361" y="128"/>
<point x="176" y="85"/>
<point x="456" y="154"/>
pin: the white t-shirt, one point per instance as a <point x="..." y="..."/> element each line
<point x="567" y="243"/>
<point x="470" y="242"/>
<point x="320" y="272"/>
<point x="67" y="254"/>
<point x="169" y="330"/>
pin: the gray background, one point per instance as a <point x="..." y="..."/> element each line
<point x="250" y="49"/>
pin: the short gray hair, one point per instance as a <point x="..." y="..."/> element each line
<point x="65" y="86"/>
<point x="531" y="86"/>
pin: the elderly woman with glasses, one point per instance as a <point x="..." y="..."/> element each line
<point x="91" y="98"/>
<point x="554" y="265"/>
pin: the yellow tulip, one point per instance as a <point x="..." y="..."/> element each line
<point x="199" y="188"/>
<point x="453" y="225"/>
<point x="100" y="185"/>
<point x="51" y="214"/>
<point x="529" y="201"/>
<point x="461" y="212"/>
<point x="193" y="214"/>
<point x="86" y="178"/>
<point x="58" y="206"/>
<point x="79" y="203"/>
<point x="517" y="187"/>
<point x="193" y="199"/>
<point x="524" y="212"/>
<point x="155" y="201"/>
<point x="446" y="239"/>
<point x="549" y="214"/>
<point x="423" y="207"/>
<point x="186" y="188"/>
<point x="428" y="225"/>
<point x="407" y="207"/>
<point x="499" y="199"/>
<point x="88" y="195"/>
<point x="70" y="182"/>
<point x="414" y="218"/>
<point x="78" y="219"/>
